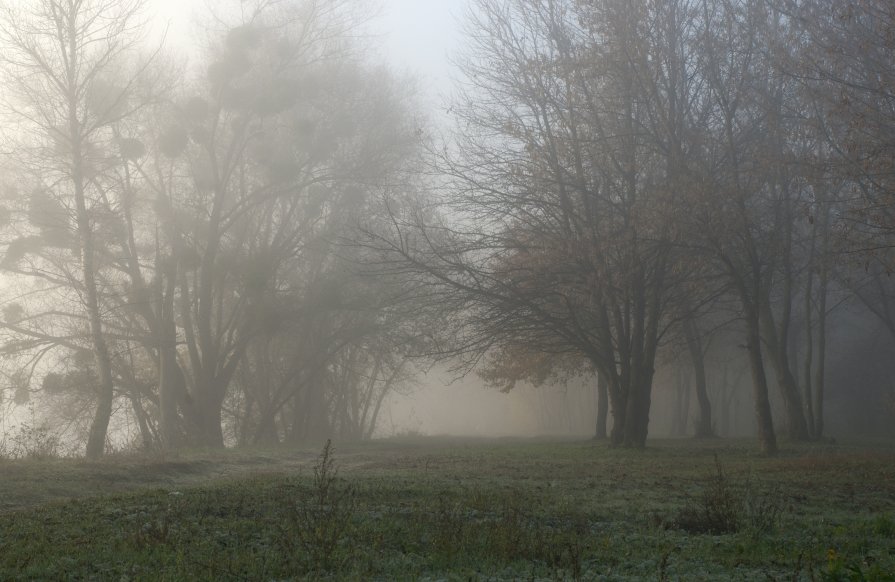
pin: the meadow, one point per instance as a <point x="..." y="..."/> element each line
<point x="456" y="509"/>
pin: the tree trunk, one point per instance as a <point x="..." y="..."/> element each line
<point x="681" y="411"/>
<point x="96" y="441"/>
<point x="142" y="422"/>
<point x="704" y="426"/>
<point x="764" y="420"/>
<point x="170" y="375"/>
<point x="722" y="396"/>
<point x="266" y="433"/>
<point x="205" y="417"/>
<point x="602" y="407"/>
<point x="820" y="370"/>
<point x="808" y="400"/>
<point x="310" y="420"/>
<point x="374" y="417"/>
<point x="684" y="410"/>
<point x="618" y="401"/>
<point x="797" y="427"/>
<point x="637" y="412"/>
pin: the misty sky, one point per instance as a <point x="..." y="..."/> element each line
<point x="417" y="35"/>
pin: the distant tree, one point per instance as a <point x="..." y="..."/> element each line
<point x="72" y="74"/>
<point x="270" y="156"/>
<point x="840" y="56"/>
<point x="763" y="207"/>
<point x="846" y="60"/>
<point x="686" y="352"/>
<point x="558" y="230"/>
<point x="327" y="370"/>
<point x="506" y="366"/>
<point x="201" y="217"/>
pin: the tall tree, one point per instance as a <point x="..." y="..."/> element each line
<point x="273" y="153"/>
<point x="72" y="68"/>
<point x="558" y="230"/>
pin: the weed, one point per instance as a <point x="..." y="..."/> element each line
<point x="152" y="532"/>
<point x="662" y="573"/>
<point x="31" y="442"/>
<point x="566" y="547"/>
<point x="728" y="507"/>
<point x="508" y="530"/>
<point x="716" y="511"/>
<point x="761" y="508"/>
<point x="318" y="524"/>
<point x="449" y="528"/>
<point x="840" y="569"/>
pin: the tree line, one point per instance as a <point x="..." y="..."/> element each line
<point x="172" y="230"/>
<point x="259" y="246"/>
<point x="627" y="176"/>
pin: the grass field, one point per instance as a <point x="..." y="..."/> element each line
<point x="455" y="509"/>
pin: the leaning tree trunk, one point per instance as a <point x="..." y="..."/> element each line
<point x="96" y="441"/>
<point x="797" y="426"/>
<point x="142" y="422"/>
<point x="777" y="339"/>
<point x="764" y="420"/>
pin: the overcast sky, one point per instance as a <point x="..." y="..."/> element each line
<point x="417" y="35"/>
<point x="422" y="34"/>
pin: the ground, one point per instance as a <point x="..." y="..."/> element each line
<point x="456" y="509"/>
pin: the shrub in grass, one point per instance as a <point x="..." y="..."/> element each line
<point x="318" y="525"/>
<point x="761" y="508"/>
<point x="503" y="529"/>
<point x="450" y="528"/>
<point x="724" y="506"/>
<point x="716" y="510"/>
<point x="31" y="442"/>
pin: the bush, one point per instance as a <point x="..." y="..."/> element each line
<point x="726" y="507"/>
<point x="31" y="443"/>
<point x="717" y="509"/>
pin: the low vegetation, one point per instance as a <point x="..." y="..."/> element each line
<point x="450" y="509"/>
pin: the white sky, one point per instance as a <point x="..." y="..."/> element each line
<point x="422" y="34"/>
<point x="418" y="36"/>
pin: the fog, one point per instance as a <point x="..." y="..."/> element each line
<point x="447" y="289"/>
<point x="441" y="405"/>
<point x="254" y="223"/>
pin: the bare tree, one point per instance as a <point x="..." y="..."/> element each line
<point x="270" y="156"/>
<point x="71" y="69"/>
<point x="558" y="230"/>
